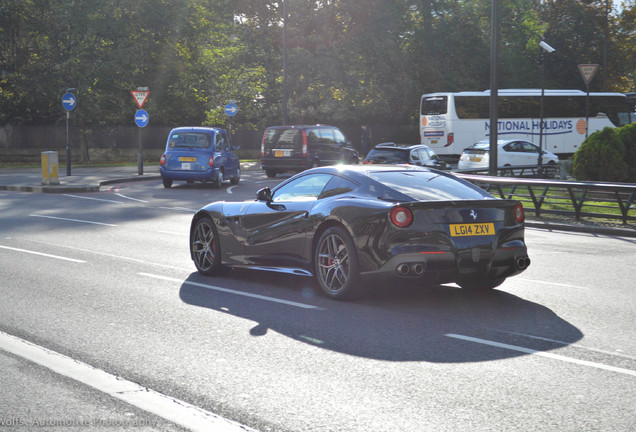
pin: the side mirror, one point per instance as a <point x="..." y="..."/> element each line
<point x="264" y="194"/>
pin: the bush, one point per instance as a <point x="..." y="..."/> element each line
<point x="601" y="157"/>
<point x="627" y="135"/>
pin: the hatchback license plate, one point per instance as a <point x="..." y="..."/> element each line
<point x="475" y="159"/>
<point x="187" y="159"/>
<point x="472" y="229"/>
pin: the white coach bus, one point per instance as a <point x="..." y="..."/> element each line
<point x="450" y="122"/>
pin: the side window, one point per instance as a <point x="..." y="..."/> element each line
<point x="312" y="136"/>
<point x="512" y="147"/>
<point x="340" y="138"/>
<point x="225" y="142"/>
<point x="415" y="155"/>
<point x="529" y="148"/>
<point x="336" y="186"/>
<point x="326" y="136"/>
<point x="306" y="188"/>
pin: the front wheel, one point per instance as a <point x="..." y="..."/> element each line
<point x="206" y="248"/>
<point x="336" y="264"/>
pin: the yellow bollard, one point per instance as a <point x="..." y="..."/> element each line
<point x="49" y="168"/>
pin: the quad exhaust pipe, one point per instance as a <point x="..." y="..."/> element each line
<point x="413" y="269"/>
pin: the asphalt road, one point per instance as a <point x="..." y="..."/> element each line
<point x="105" y="280"/>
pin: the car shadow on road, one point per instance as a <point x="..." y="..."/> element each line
<point x="442" y="324"/>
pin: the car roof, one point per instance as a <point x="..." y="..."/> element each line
<point x="197" y="129"/>
<point x="392" y="145"/>
<point x="301" y="126"/>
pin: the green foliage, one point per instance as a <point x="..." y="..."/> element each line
<point x="627" y="135"/>
<point x="348" y="61"/>
<point x="601" y="157"/>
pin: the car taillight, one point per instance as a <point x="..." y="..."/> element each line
<point x="162" y="161"/>
<point x="519" y="213"/>
<point x="211" y="161"/>
<point x="263" y="147"/>
<point x="304" y="144"/>
<point x="401" y="216"/>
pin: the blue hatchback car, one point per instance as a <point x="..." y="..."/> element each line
<point x="199" y="154"/>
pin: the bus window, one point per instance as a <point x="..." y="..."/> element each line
<point x="435" y="105"/>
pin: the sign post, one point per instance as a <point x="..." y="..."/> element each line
<point x="141" y="120"/>
<point x="587" y="72"/>
<point x="68" y="102"/>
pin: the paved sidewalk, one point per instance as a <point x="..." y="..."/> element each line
<point x="90" y="179"/>
<point x="82" y="179"/>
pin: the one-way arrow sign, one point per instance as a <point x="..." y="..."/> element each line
<point x="231" y="109"/>
<point x="69" y="101"/>
<point x="141" y="118"/>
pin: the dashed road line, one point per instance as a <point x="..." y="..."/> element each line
<point x="542" y="354"/>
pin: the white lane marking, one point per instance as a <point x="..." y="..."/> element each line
<point x="229" y="190"/>
<point x="43" y="254"/>
<point x="94" y="199"/>
<point x="543" y="354"/>
<point x="73" y="220"/>
<point x="182" y="209"/>
<point x="172" y="233"/>
<point x="551" y="283"/>
<point x="613" y="353"/>
<point x="229" y="291"/>
<point x="132" y="199"/>
<point x="169" y="408"/>
<point x="137" y="260"/>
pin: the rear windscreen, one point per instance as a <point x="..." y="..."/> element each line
<point x="434" y="105"/>
<point x="426" y="186"/>
<point x="190" y="140"/>
<point x="282" y="139"/>
<point x="388" y="156"/>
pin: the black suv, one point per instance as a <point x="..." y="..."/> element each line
<point x="296" y="148"/>
<point x="414" y="154"/>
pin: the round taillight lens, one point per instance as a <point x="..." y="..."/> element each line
<point x="211" y="161"/>
<point x="162" y="161"/>
<point x="519" y="213"/>
<point x="401" y="216"/>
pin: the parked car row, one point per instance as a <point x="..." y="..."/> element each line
<point x="205" y="153"/>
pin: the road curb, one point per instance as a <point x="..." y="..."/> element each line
<point x="612" y="231"/>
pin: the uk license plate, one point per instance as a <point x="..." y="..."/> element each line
<point x="282" y="153"/>
<point x="187" y="159"/>
<point x="472" y="229"/>
<point x="475" y="159"/>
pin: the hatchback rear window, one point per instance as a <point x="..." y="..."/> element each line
<point x="190" y="139"/>
<point x="389" y="155"/>
<point x="282" y="138"/>
<point x="427" y="186"/>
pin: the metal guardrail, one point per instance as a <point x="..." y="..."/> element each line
<point x="587" y="199"/>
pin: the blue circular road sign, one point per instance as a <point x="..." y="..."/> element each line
<point x="141" y="118"/>
<point x="231" y="109"/>
<point x="69" y="101"/>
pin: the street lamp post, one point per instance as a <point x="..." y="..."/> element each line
<point x="546" y="48"/>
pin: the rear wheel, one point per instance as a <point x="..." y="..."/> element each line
<point x="234" y="180"/>
<point x="336" y="264"/>
<point x="270" y="173"/>
<point x="480" y="284"/>
<point x="206" y="248"/>
<point x="219" y="179"/>
<point x="167" y="183"/>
